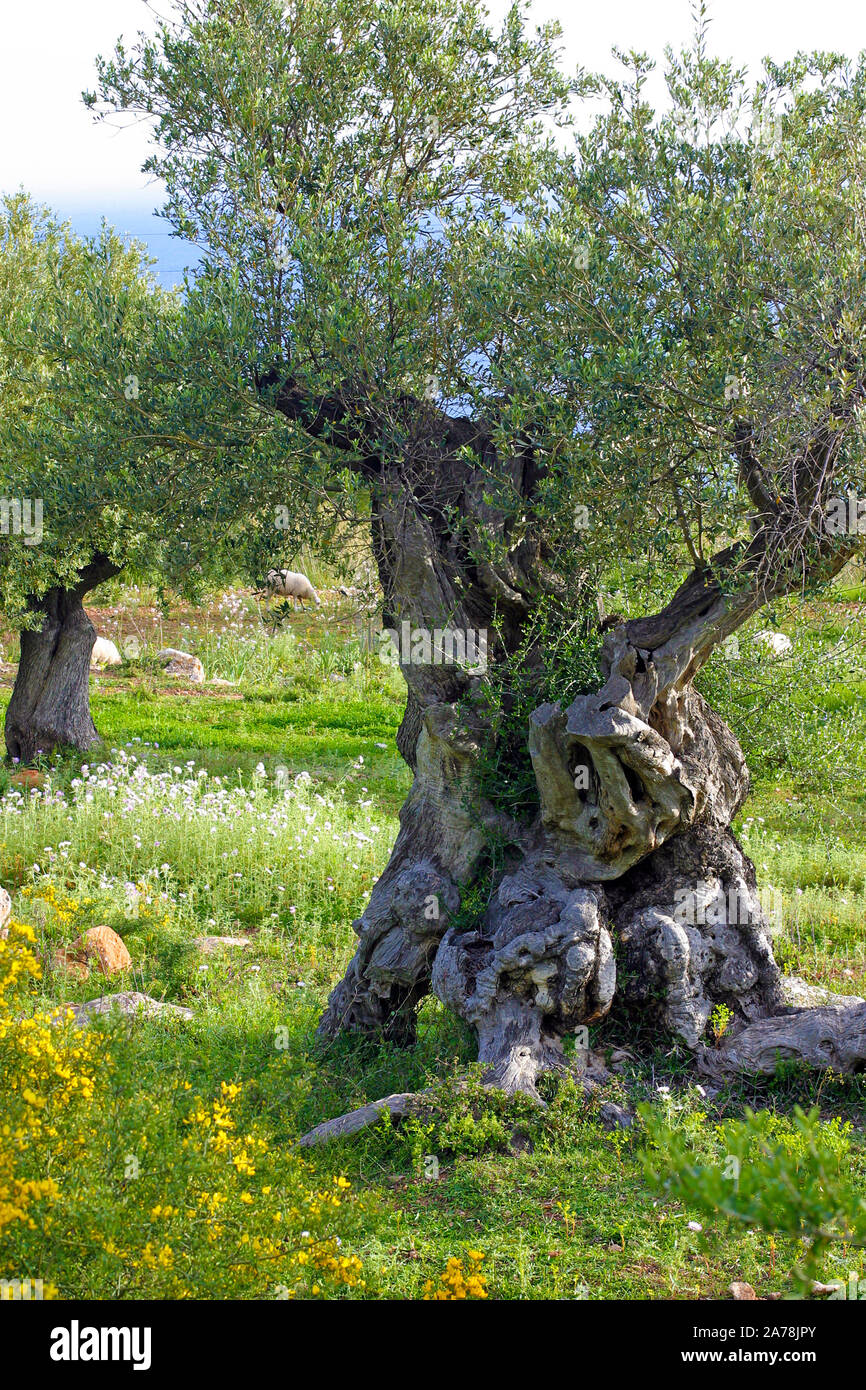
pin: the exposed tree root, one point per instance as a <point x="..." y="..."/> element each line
<point x="514" y="1074"/>
<point x="344" y="1126"/>
<point x="830" y="1036"/>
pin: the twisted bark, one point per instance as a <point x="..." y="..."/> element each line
<point x="831" y="1036"/>
<point x="637" y="787"/>
<point x="628" y="883"/>
<point x="50" y="702"/>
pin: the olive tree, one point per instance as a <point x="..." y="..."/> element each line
<point x="544" y="353"/>
<point x="119" y="450"/>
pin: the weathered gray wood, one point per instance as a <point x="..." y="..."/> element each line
<point x="824" y="1037"/>
<point x="344" y="1126"/>
<point x="539" y="965"/>
<point x="692" y="935"/>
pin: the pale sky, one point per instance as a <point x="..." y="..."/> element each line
<point x="51" y="146"/>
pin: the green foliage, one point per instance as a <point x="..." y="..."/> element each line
<point x="339" y="129"/>
<point x="720" y="1020"/>
<point x="117" y="418"/>
<point x="67" y="302"/>
<point x="474" y="902"/>
<point x="353" y="153"/>
<point x="557" y="660"/>
<point x="458" y="1117"/>
<point x="779" y="1175"/>
<point x="667" y="314"/>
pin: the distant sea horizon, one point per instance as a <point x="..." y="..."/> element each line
<point x="133" y="221"/>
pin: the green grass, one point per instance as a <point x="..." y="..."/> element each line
<point x="560" y="1208"/>
<point x="322" y="737"/>
<point x="232" y="731"/>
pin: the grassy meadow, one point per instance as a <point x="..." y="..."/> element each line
<point x="262" y="809"/>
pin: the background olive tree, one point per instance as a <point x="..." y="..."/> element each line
<point x="114" y="437"/>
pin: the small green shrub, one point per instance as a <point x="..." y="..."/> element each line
<point x="787" y="1177"/>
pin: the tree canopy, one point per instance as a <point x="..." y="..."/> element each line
<point x="111" y="423"/>
<point x="664" y="307"/>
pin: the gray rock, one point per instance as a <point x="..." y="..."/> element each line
<point x="800" y="995"/>
<point x="210" y="944"/>
<point x="181" y="664"/>
<point x="129" y="1002"/>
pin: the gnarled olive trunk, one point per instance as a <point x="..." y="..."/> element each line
<point x="629" y="881"/>
<point x="50" y="703"/>
<point x="628" y="884"/>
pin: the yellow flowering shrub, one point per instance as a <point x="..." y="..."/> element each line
<point x="458" y="1280"/>
<point x="45" y="896"/>
<point x="47" y="1074"/>
<point x="111" y="1189"/>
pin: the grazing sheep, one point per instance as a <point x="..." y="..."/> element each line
<point x="775" y="642"/>
<point x="288" y="584"/>
<point x="105" y="653"/>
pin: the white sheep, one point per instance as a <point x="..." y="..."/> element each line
<point x="105" y="653"/>
<point x="288" y="584"/>
<point x="775" y="642"/>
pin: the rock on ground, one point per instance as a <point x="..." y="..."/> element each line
<point x="27" y="777"/>
<point x="210" y="944"/>
<point x="800" y="995"/>
<point x="99" y="945"/>
<point x="181" y="664"/>
<point x="130" y="1002"/>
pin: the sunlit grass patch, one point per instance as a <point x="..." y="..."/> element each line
<point x="198" y="836"/>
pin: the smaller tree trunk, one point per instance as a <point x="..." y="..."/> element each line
<point x="50" y="704"/>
